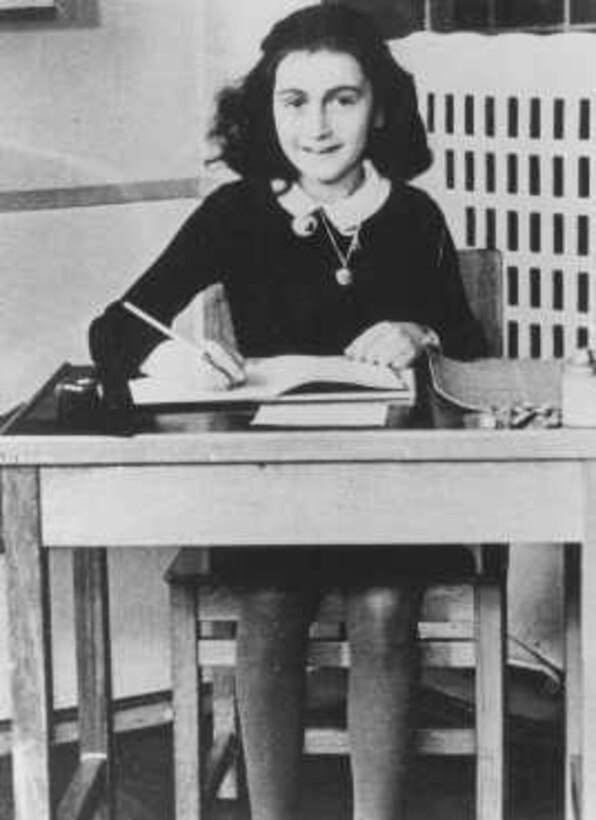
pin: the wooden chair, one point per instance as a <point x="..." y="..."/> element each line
<point x="463" y="626"/>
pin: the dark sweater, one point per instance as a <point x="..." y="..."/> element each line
<point x="281" y="287"/>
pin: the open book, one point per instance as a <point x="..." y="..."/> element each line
<point x="290" y="378"/>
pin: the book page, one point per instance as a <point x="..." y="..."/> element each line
<point x="173" y="376"/>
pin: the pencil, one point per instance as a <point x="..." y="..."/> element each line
<point x="155" y="323"/>
<point x="200" y="350"/>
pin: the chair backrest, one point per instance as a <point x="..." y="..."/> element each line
<point x="482" y="275"/>
<point x="481" y="272"/>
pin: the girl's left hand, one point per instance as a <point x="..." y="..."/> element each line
<point x="395" y="344"/>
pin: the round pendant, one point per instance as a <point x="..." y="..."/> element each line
<point x="343" y="277"/>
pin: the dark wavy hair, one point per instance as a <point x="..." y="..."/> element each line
<point x="243" y="130"/>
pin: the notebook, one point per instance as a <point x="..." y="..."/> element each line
<point x="171" y="377"/>
<point x="320" y="414"/>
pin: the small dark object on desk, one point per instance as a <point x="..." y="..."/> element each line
<point x="77" y="401"/>
<point x="515" y="417"/>
<point x="84" y="403"/>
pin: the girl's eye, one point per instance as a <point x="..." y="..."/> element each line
<point x="293" y="102"/>
<point x="344" y="100"/>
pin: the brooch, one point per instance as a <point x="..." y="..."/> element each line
<point x="304" y="225"/>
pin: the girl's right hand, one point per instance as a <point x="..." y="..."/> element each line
<point x="221" y="365"/>
<point x="208" y="364"/>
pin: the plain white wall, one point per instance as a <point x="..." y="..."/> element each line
<point x="115" y="101"/>
<point x="58" y="268"/>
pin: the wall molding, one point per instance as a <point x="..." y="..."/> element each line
<point x="87" y="196"/>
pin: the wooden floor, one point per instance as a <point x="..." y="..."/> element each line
<point x="440" y="789"/>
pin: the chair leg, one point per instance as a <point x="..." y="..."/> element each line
<point x="491" y="662"/>
<point x="225" y="735"/>
<point x="186" y="701"/>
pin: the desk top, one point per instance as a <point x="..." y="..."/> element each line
<point x="35" y="435"/>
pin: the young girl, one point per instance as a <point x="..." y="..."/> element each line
<point x="323" y="248"/>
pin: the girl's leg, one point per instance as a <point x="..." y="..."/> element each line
<point x="384" y="670"/>
<point x="271" y="682"/>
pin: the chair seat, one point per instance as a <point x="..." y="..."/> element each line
<point x="233" y="568"/>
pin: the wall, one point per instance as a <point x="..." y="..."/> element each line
<point x="110" y="100"/>
<point x="90" y="113"/>
<point x="66" y="265"/>
<point x="103" y="110"/>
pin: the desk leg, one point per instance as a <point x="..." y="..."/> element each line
<point x="94" y="784"/>
<point x="491" y="706"/>
<point x="30" y="643"/>
<point x="573" y="681"/>
<point x="186" y="701"/>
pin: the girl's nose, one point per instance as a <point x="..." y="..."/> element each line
<point x="317" y="122"/>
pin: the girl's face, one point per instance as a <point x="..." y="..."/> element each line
<point x="323" y="110"/>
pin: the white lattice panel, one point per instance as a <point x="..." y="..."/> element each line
<point x="512" y="124"/>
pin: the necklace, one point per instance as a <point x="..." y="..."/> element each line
<point x="343" y="275"/>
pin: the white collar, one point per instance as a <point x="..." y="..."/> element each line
<point x="346" y="214"/>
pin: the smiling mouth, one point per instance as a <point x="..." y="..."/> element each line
<point x="321" y="151"/>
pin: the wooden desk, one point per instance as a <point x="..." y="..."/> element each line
<point x="352" y="487"/>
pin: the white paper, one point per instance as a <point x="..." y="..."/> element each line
<point x="174" y="375"/>
<point x="322" y="414"/>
